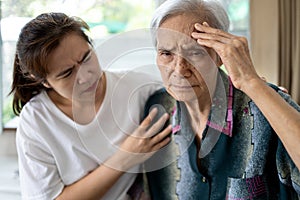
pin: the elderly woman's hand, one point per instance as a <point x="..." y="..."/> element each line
<point x="233" y="51"/>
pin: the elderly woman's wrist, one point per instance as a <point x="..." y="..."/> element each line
<point x="252" y="85"/>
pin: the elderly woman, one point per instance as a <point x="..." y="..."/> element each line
<point x="227" y="144"/>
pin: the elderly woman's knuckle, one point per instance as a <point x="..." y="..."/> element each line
<point x="218" y="32"/>
<point x="243" y="39"/>
<point x="237" y="43"/>
<point x="229" y="49"/>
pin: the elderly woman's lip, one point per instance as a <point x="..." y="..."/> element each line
<point x="183" y="86"/>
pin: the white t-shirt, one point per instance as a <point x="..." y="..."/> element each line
<point x="55" y="151"/>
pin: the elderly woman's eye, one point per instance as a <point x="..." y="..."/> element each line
<point x="165" y="53"/>
<point x="197" y="53"/>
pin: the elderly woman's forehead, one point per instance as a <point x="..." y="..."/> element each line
<point x="183" y="23"/>
<point x="172" y="41"/>
<point x="166" y="35"/>
<point x="176" y="29"/>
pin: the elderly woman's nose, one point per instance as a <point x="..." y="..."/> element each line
<point x="182" y="66"/>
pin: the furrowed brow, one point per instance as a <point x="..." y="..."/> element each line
<point x="85" y="56"/>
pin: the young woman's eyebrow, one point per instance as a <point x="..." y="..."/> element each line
<point x="85" y="56"/>
<point x="64" y="72"/>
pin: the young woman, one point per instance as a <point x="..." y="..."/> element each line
<point x="78" y="134"/>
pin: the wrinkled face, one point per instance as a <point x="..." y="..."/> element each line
<point x="74" y="69"/>
<point x="188" y="70"/>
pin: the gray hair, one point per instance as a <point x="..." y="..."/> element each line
<point x="210" y="11"/>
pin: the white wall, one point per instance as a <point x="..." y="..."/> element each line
<point x="7" y="143"/>
<point x="9" y="180"/>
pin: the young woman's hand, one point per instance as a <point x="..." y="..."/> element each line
<point x="143" y="142"/>
<point x="233" y="51"/>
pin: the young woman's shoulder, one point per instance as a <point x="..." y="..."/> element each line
<point x="39" y="112"/>
<point x="36" y="105"/>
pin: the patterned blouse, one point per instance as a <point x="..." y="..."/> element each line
<point x="240" y="157"/>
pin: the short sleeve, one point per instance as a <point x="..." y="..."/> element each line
<point x="39" y="177"/>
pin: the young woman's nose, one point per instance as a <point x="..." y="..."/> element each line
<point x="83" y="75"/>
<point x="182" y="67"/>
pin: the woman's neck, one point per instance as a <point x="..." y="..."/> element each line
<point x="199" y="110"/>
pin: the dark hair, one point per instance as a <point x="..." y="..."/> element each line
<point x="38" y="38"/>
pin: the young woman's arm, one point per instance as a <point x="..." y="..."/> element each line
<point x="92" y="186"/>
<point x="235" y="55"/>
